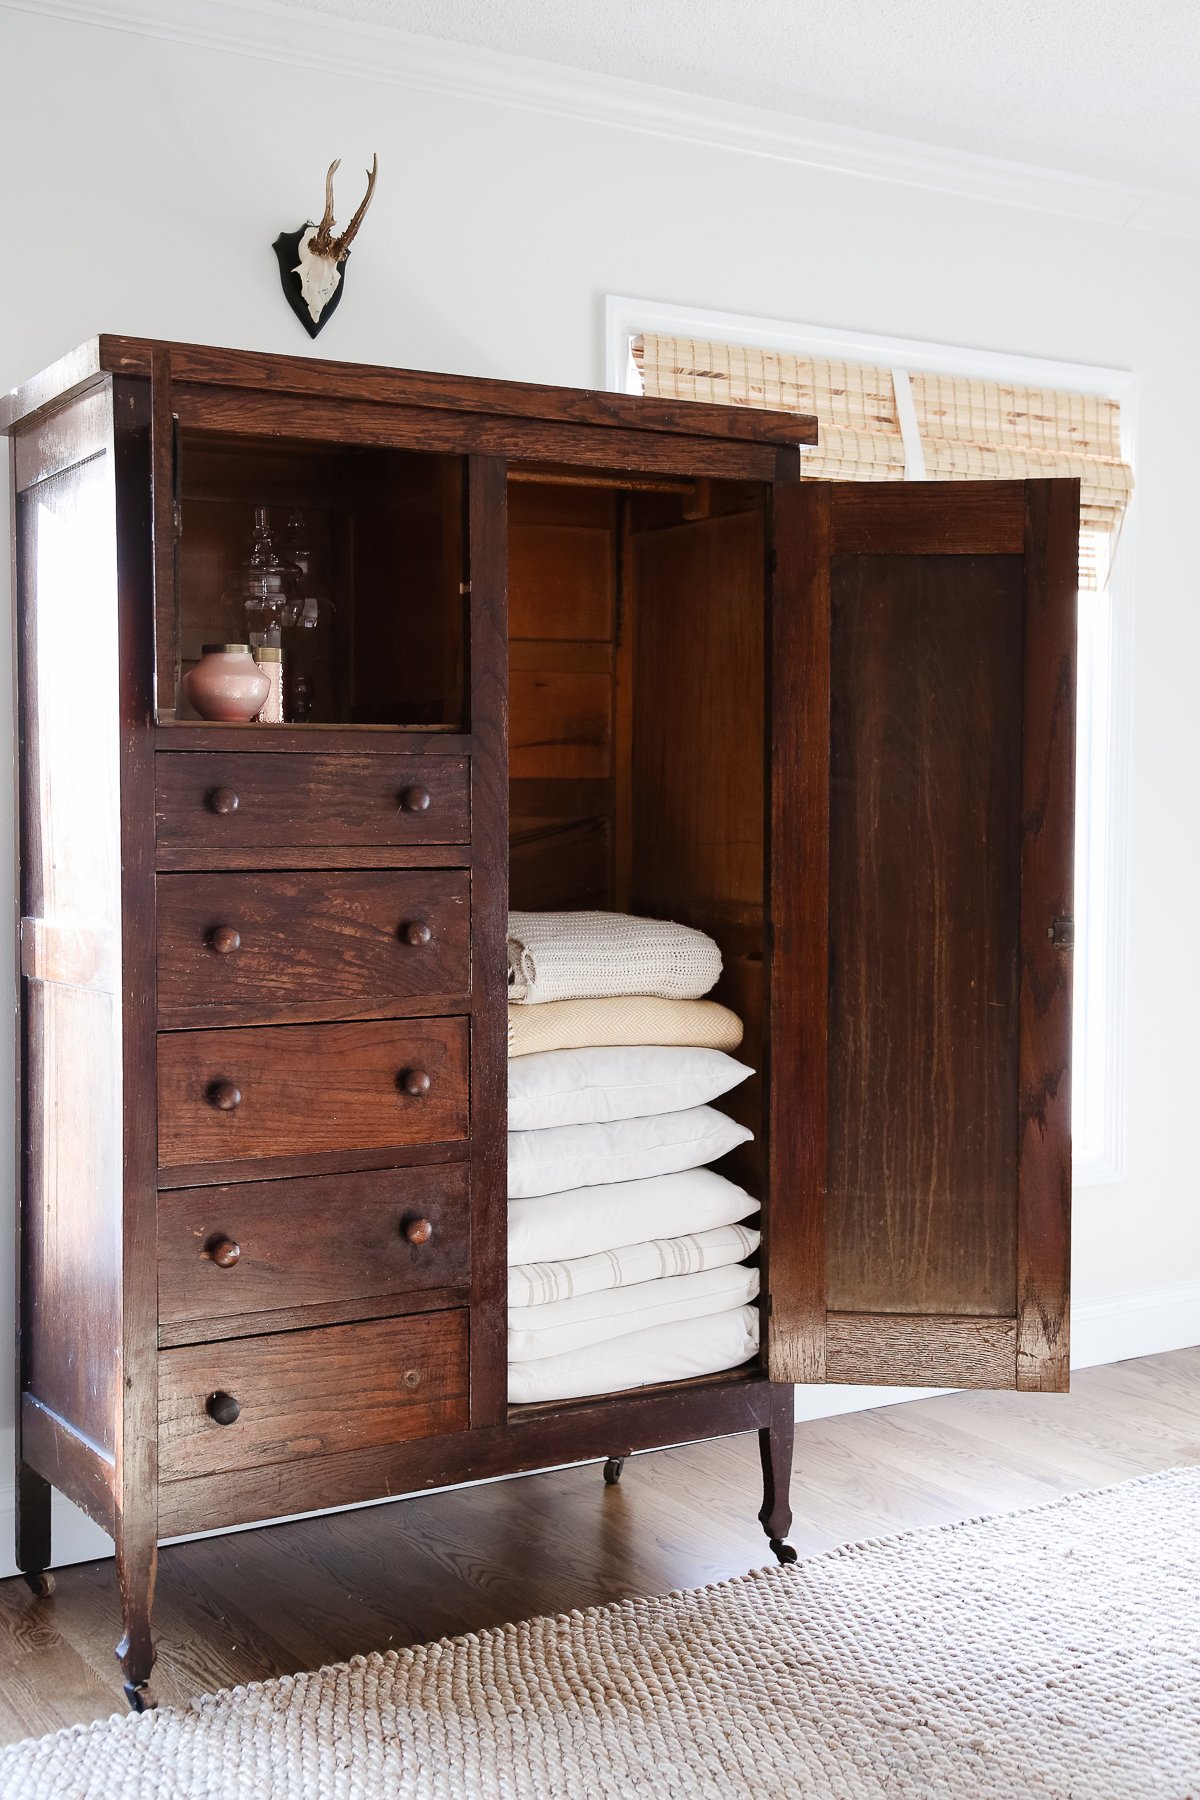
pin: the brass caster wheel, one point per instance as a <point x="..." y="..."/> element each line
<point x="782" y="1551"/>
<point x="140" y="1698"/>
<point x="39" y="1582"/>
<point x="612" y="1470"/>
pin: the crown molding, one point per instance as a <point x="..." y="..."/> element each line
<point x="283" y="34"/>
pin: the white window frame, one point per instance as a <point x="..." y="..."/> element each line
<point x="1106" y="674"/>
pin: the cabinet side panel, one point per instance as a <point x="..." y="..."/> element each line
<point x="70" y="903"/>
<point x="924" y="934"/>
<point x="697" y="764"/>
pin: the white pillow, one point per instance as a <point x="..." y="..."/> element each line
<point x="537" y="1331"/>
<point x="534" y="1285"/>
<point x="663" y="1353"/>
<point x="571" y="1156"/>
<point x="548" y="1227"/>
<point x="587" y="1087"/>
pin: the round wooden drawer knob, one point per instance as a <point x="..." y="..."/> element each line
<point x="415" y="1082"/>
<point x="415" y="799"/>
<point x="225" y="939"/>
<point x="418" y="1231"/>
<point x="225" y="1095"/>
<point x="225" y="1253"/>
<point x="223" y="1408"/>
<point x="418" y="932"/>
<point x="223" y="800"/>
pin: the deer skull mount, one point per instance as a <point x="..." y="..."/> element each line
<point x="311" y="259"/>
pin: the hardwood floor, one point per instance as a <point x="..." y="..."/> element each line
<point x="289" y="1597"/>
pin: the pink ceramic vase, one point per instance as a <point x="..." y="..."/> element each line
<point x="226" y="684"/>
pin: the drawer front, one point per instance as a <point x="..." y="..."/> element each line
<point x="260" y="1246"/>
<point x="232" y="802"/>
<point x="300" y="1090"/>
<point x="304" y="1394"/>
<point x="269" y="946"/>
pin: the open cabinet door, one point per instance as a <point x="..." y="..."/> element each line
<point x="922" y="687"/>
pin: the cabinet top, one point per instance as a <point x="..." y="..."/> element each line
<point x="308" y="375"/>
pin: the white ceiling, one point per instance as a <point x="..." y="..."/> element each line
<point x="1108" y="88"/>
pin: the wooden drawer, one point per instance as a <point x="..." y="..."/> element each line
<point x="265" y="947"/>
<point x="299" y="1090"/>
<point x="231" y="802"/>
<point x="263" y="1246"/>
<point x="306" y="1394"/>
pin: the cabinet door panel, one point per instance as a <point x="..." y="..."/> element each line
<point x="922" y="825"/>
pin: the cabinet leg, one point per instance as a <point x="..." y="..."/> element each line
<point x="33" y="1529"/>
<point x="137" y="1565"/>
<point x="775" y="1443"/>
<point x="612" y="1470"/>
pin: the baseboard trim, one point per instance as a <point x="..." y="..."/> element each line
<point x="1107" y="1330"/>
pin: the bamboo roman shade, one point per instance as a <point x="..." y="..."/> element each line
<point x="967" y="430"/>
<point x="855" y="404"/>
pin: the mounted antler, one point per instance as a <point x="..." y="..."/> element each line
<point x="311" y="260"/>
<point x="323" y="242"/>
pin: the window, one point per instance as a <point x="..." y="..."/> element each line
<point x="879" y="437"/>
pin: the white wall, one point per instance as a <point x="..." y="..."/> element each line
<point x="146" y="180"/>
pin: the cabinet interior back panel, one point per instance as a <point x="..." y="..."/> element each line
<point x="926" y="663"/>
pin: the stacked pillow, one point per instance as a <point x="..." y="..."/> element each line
<point x="625" y="1252"/>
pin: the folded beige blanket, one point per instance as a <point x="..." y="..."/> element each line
<point x="594" y="955"/>
<point x="628" y="1019"/>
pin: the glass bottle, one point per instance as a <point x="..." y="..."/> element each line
<point x="265" y="587"/>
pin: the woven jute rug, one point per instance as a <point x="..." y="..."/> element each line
<point x="1053" y="1653"/>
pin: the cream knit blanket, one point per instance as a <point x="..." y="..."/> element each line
<point x="600" y="955"/>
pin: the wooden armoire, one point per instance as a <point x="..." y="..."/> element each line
<point x="583" y="650"/>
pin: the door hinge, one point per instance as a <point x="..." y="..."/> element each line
<point x="1062" y="934"/>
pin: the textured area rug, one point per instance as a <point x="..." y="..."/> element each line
<point x="1052" y="1653"/>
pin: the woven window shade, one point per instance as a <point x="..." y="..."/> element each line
<point x="970" y="430"/>
<point x="854" y="403"/>
<point x="986" y="431"/>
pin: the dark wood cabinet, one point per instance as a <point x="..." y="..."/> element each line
<point x="577" y="650"/>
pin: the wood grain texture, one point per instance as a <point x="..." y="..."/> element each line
<point x="56" y="385"/>
<point x="305" y="1394"/>
<point x="560" y="865"/>
<point x="694" y="610"/>
<point x="798" y="939"/>
<point x="71" y="1462"/>
<point x="697" y="790"/>
<point x="924" y="929"/>
<point x="561" y="566"/>
<point x="921" y="1352"/>
<point x="58" y="950"/>
<point x="928" y="518"/>
<point x="338" y="420"/>
<point x="611" y="1426"/>
<point x="69" y="1251"/>
<point x="317" y="856"/>
<point x="507" y="399"/>
<point x="487" y="677"/>
<point x="309" y="1088"/>
<point x="306" y="799"/>
<point x="310" y="1242"/>
<point x="1047" y="881"/>
<point x="285" y="740"/>
<point x="64" y="439"/>
<point x="561" y="724"/>
<point x="309" y="1316"/>
<point x="137" y="1446"/>
<point x="310" y="946"/>
<point x="164" y="477"/>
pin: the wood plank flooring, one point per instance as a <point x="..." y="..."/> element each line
<point x="288" y="1597"/>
